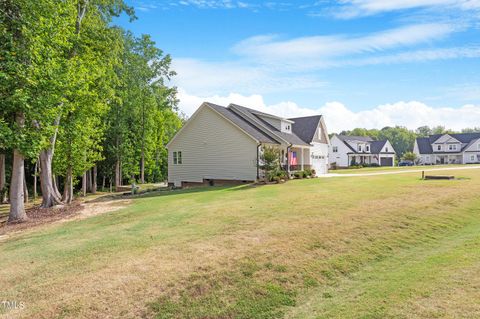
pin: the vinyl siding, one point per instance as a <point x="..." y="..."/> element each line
<point x="341" y="157"/>
<point x="212" y="148"/>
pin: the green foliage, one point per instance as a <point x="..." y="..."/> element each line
<point x="409" y="156"/>
<point x="142" y="118"/>
<point x="65" y="68"/>
<point x="270" y="162"/>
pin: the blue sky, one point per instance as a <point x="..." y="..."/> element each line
<point x="365" y="63"/>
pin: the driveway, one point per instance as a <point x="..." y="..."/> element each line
<point x="400" y="171"/>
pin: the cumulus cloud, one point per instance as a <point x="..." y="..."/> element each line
<point x="338" y="117"/>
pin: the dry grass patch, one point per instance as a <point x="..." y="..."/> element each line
<point x="236" y="252"/>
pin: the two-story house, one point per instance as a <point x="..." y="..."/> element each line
<point x="347" y="150"/>
<point x="448" y="149"/>
<point x="223" y="144"/>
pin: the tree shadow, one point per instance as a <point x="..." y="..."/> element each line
<point x="171" y="192"/>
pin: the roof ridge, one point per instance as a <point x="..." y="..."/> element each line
<point x="263" y="127"/>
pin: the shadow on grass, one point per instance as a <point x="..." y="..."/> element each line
<point x="170" y="192"/>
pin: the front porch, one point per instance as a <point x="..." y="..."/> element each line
<point x="448" y="159"/>
<point x="362" y="159"/>
<point x="296" y="159"/>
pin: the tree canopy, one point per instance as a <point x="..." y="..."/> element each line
<point x="80" y="95"/>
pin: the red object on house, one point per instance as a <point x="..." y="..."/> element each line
<point x="293" y="158"/>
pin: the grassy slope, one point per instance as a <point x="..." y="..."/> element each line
<point x="394" y="168"/>
<point x="372" y="247"/>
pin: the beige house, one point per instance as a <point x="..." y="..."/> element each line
<point x="223" y="144"/>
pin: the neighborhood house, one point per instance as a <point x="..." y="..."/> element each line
<point x="448" y="149"/>
<point x="220" y="144"/>
<point x="346" y="151"/>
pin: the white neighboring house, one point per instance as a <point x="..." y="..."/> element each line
<point x="448" y="149"/>
<point x="360" y="149"/>
<point x="221" y="144"/>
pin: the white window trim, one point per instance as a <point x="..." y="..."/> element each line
<point x="177" y="158"/>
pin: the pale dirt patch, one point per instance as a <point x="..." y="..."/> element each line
<point x="45" y="217"/>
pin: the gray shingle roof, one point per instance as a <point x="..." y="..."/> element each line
<point x="424" y="145"/>
<point x="244" y="125"/>
<point x="305" y="127"/>
<point x="376" y="146"/>
<point x="355" y="138"/>
<point x="262" y="124"/>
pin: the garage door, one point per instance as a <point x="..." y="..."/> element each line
<point x="386" y="161"/>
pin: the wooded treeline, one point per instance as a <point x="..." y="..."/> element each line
<point x="403" y="139"/>
<point x="82" y="101"/>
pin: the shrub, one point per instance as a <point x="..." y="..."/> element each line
<point x="270" y="163"/>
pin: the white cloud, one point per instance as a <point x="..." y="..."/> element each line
<point x="269" y="47"/>
<point x="209" y="78"/>
<point x="356" y="8"/>
<point x="339" y="117"/>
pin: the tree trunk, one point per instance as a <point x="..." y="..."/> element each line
<point x="50" y="194"/>
<point x="3" y="180"/>
<point x="25" y="188"/>
<point x="103" y="183"/>
<point x="118" y="178"/>
<point x="94" y="180"/>
<point x="17" y="205"/>
<point x="142" y="168"/>
<point x="35" y="182"/>
<point x="68" y="187"/>
<point x="84" y="184"/>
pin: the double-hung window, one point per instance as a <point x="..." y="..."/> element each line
<point x="177" y="157"/>
<point x="335" y="149"/>
<point x="452" y="147"/>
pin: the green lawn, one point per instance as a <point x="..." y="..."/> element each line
<point x="390" y="169"/>
<point x="390" y="246"/>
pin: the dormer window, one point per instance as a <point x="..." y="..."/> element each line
<point x="367" y="148"/>
<point x="439" y="147"/>
<point x="359" y="147"/>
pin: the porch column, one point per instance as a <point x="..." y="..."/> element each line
<point x="302" y="161"/>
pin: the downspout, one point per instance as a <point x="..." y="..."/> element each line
<point x="288" y="159"/>
<point x="258" y="161"/>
